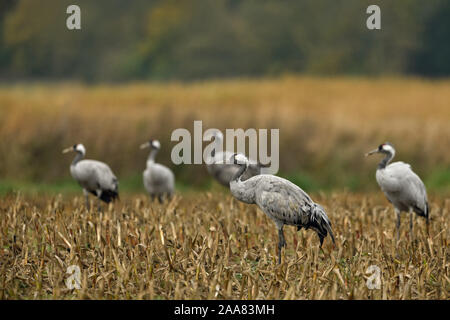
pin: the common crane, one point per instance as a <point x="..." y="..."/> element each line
<point x="93" y="176"/>
<point x="223" y="172"/>
<point x="281" y="200"/>
<point x="159" y="180"/>
<point x="402" y="187"/>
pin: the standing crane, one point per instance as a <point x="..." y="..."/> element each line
<point x="159" y="180"/>
<point x="402" y="187"/>
<point x="223" y="172"/>
<point x="281" y="200"/>
<point x="93" y="176"/>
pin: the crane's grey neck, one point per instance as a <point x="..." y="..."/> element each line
<point x="77" y="158"/>
<point x="238" y="175"/>
<point x="243" y="190"/>
<point x="217" y="141"/>
<point x="383" y="163"/>
<point x="152" y="155"/>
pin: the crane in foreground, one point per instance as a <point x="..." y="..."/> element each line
<point x="402" y="187"/>
<point x="219" y="168"/>
<point x="281" y="200"/>
<point x="93" y="176"/>
<point x="159" y="181"/>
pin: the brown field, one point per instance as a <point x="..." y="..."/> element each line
<point x="206" y="244"/>
<point x="209" y="246"/>
<point x="326" y="125"/>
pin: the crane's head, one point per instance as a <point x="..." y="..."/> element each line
<point x="152" y="143"/>
<point x="386" y="148"/>
<point x="239" y="159"/>
<point x="79" y="148"/>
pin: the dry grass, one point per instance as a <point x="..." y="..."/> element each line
<point x="211" y="246"/>
<point x="326" y="124"/>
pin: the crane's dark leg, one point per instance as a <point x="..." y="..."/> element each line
<point x="99" y="194"/>
<point x="397" y="212"/>
<point x="411" y="236"/>
<point x="281" y="242"/>
<point x="86" y="196"/>
<point x="160" y="198"/>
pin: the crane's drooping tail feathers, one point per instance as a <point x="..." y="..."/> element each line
<point x="424" y="213"/>
<point x="107" y="195"/>
<point x="320" y="221"/>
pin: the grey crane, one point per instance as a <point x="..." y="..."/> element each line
<point x="281" y="200"/>
<point x="93" y="176"/>
<point x="159" y="180"/>
<point x="223" y="172"/>
<point x="402" y="187"/>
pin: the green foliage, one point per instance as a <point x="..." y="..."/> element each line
<point x="432" y="58"/>
<point x="439" y="179"/>
<point x="302" y="179"/>
<point x="193" y="39"/>
<point x="13" y="186"/>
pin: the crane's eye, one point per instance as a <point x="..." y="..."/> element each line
<point x="74" y="147"/>
<point x="381" y="147"/>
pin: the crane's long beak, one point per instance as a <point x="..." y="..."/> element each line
<point x="67" y="150"/>
<point x="145" y="145"/>
<point x="371" y="152"/>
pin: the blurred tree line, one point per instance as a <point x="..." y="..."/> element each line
<point x="195" y="39"/>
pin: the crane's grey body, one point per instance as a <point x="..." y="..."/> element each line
<point x="282" y="201"/>
<point x="159" y="181"/>
<point x="93" y="176"/>
<point x="402" y="187"/>
<point x="224" y="172"/>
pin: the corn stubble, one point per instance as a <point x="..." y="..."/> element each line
<point x="209" y="246"/>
